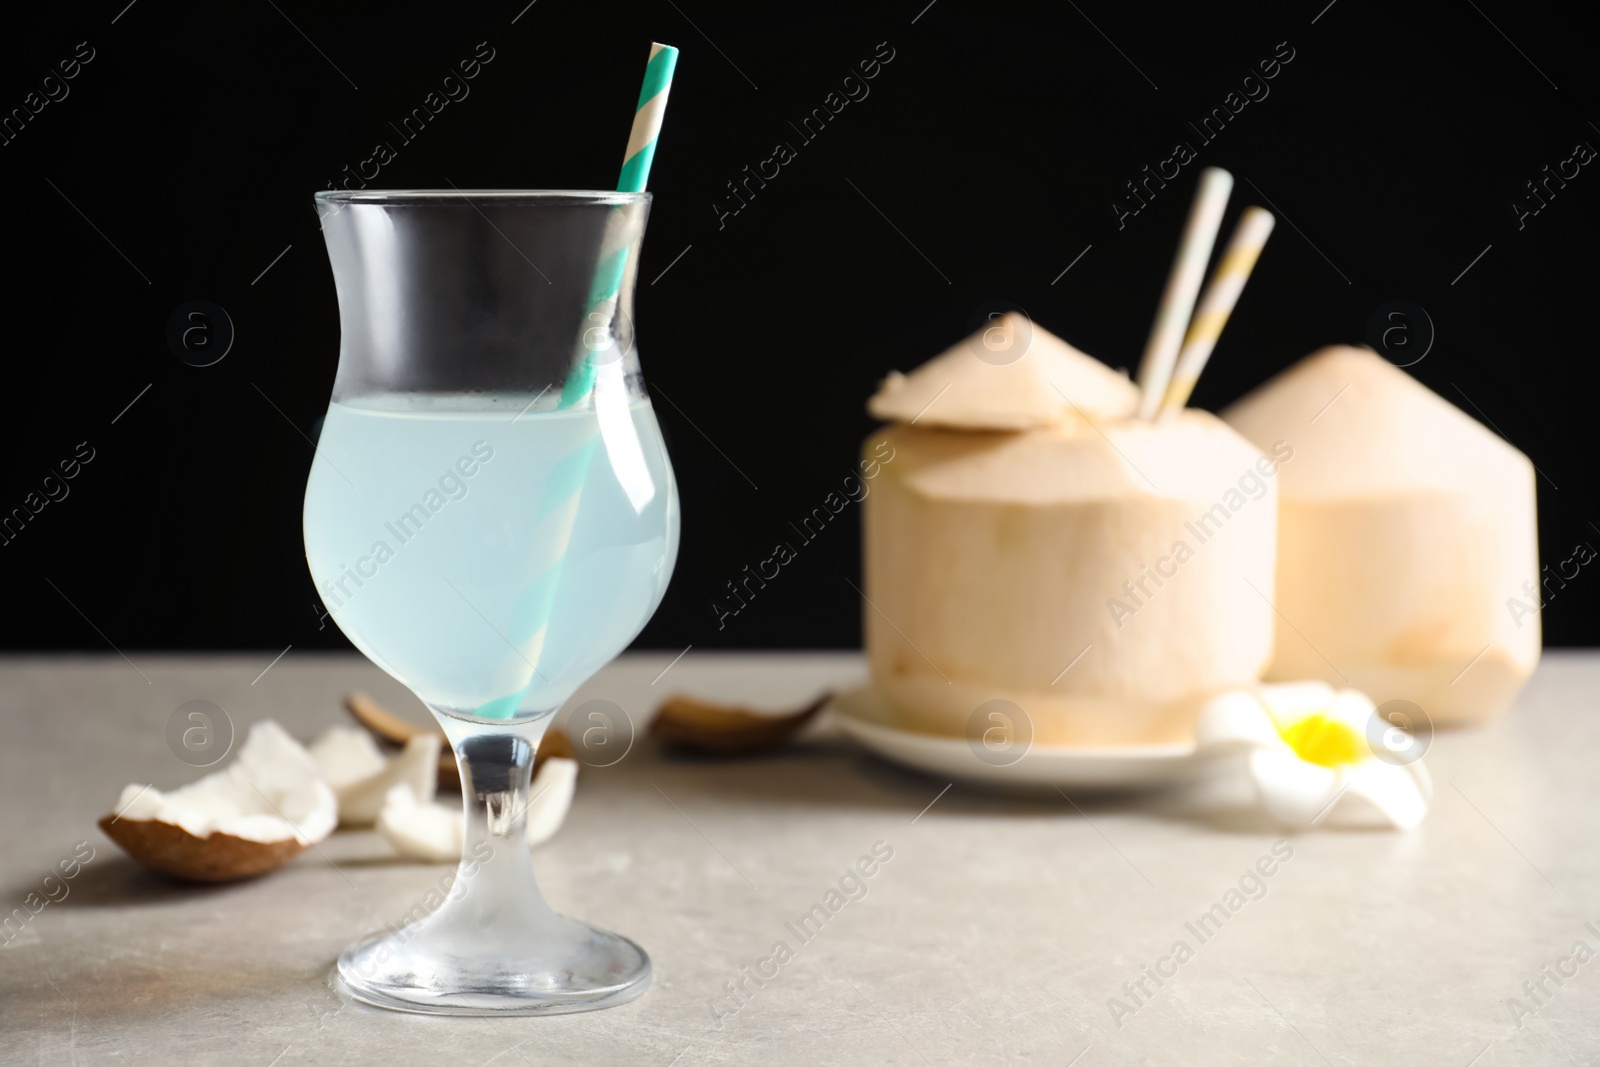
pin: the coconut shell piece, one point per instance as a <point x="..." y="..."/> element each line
<point x="449" y="773"/>
<point x="722" y="730"/>
<point x="382" y="723"/>
<point x="217" y="857"/>
<point x="555" y="745"/>
<point x="245" y="819"/>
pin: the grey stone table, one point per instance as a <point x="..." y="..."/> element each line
<point x="998" y="932"/>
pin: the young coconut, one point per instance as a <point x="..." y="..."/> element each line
<point x="1408" y="547"/>
<point x="1103" y="574"/>
<point x="362" y="776"/>
<point x="246" y="819"/>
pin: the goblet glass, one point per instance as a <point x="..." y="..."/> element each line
<point x="490" y="518"/>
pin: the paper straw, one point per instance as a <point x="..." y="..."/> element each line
<point x="563" y="491"/>
<point x="530" y="618"/>
<point x="1183" y="283"/>
<point x="1250" y="233"/>
<point x="618" y="243"/>
<point x="647" y="115"/>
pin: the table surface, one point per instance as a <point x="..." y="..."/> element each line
<point x="999" y="932"/>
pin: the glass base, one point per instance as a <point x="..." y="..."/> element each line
<point x="568" y="966"/>
<point x="491" y="945"/>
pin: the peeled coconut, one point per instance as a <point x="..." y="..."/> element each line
<point x="1001" y="530"/>
<point x="1405" y="530"/>
<point x="248" y="818"/>
<point x="361" y="776"/>
<point x="424" y="830"/>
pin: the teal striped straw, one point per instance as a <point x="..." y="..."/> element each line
<point x="636" y="162"/>
<point x="558" y="506"/>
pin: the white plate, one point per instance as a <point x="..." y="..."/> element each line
<point x="861" y="714"/>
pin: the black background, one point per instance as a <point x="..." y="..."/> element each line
<point x="983" y="162"/>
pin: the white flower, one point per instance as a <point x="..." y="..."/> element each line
<point x="1312" y="754"/>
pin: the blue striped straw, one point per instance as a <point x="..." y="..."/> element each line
<point x="558" y="505"/>
<point x="647" y="116"/>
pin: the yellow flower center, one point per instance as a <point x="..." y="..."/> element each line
<point x="1324" y="741"/>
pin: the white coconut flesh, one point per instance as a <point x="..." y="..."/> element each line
<point x="346" y="755"/>
<point x="419" y="829"/>
<point x="433" y="832"/>
<point x="552" y="793"/>
<point x="362" y="776"/>
<point x="272" y="791"/>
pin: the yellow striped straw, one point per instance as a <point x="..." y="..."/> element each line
<point x="1250" y="234"/>
<point x="1183" y="283"/>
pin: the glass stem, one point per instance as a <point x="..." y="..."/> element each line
<point x="495" y="877"/>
